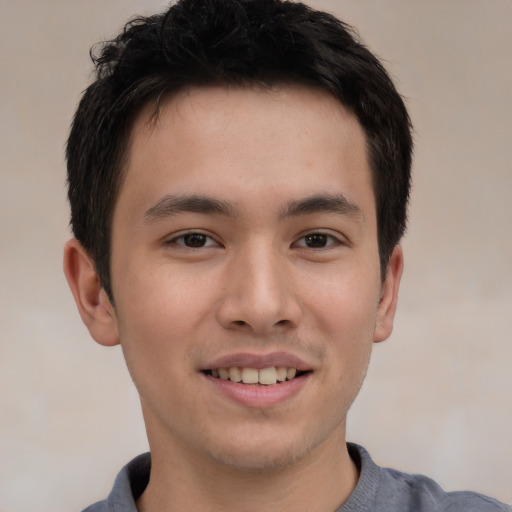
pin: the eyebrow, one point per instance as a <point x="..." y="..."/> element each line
<point x="170" y="205"/>
<point x="323" y="203"/>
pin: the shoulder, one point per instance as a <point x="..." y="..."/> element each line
<point x="96" y="507"/>
<point x="388" y="490"/>
<point x="420" y="493"/>
<point x="128" y="486"/>
<point x="473" y="502"/>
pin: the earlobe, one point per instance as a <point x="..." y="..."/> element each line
<point x="92" y="302"/>
<point x="386" y="307"/>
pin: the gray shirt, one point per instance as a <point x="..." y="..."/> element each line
<point x="378" y="490"/>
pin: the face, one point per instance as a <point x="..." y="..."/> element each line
<point x="245" y="245"/>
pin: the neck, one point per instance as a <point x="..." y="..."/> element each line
<point x="320" y="481"/>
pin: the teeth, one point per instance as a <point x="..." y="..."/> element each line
<point x="249" y="376"/>
<point x="265" y="376"/>
<point x="268" y="376"/>
<point x="235" y="375"/>
<point x="281" y="373"/>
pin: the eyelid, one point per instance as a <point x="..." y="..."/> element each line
<point x="173" y="239"/>
<point x="337" y="237"/>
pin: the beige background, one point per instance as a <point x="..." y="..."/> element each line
<point x="438" y="395"/>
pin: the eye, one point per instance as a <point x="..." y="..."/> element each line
<point x="317" y="241"/>
<point x="194" y="240"/>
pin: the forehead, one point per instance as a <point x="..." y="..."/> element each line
<point x="232" y="139"/>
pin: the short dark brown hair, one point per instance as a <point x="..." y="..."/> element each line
<point x="232" y="42"/>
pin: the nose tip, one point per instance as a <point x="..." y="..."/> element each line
<point x="260" y="326"/>
<point x="260" y="298"/>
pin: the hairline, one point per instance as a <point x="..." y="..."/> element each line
<point x="148" y="112"/>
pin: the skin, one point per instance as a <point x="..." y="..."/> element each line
<point x="257" y="285"/>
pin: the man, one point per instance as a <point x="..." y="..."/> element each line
<point x="238" y="178"/>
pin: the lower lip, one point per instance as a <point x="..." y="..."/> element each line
<point x="259" y="396"/>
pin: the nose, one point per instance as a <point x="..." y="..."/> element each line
<point x="259" y="296"/>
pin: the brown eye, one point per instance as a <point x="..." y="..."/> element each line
<point x="316" y="240"/>
<point x="194" y="240"/>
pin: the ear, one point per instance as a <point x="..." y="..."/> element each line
<point x="91" y="299"/>
<point x="389" y="296"/>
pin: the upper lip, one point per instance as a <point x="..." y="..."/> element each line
<point x="259" y="361"/>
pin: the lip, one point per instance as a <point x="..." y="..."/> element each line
<point x="257" y="396"/>
<point x="259" y="361"/>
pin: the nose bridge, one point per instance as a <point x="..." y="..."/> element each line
<point x="260" y="293"/>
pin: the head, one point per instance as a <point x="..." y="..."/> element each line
<point x="238" y="177"/>
<point x="267" y="44"/>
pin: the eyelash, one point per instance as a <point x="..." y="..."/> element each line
<point x="334" y="241"/>
<point x="176" y="240"/>
<point x="329" y="239"/>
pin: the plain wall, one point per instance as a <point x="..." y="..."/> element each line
<point x="437" y="399"/>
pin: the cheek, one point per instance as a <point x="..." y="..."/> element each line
<point x="156" y="329"/>
<point x="345" y="305"/>
<point x="163" y="301"/>
<point x="343" y="312"/>
<point x="160" y="315"/>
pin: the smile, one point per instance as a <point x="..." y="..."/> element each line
<point x="247" y="375"/>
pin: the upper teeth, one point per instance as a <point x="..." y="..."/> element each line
<point x="247" y="375"/>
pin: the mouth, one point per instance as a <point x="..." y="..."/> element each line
<point x="258" y="381"/>
<point x="272" y="375"/>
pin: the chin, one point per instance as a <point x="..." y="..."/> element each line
<point x="261" y="454"/>
<point x="251" y="462"/>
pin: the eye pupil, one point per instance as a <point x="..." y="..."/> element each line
<point x="316" y="240"/>
<point x="194" y="240"/>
